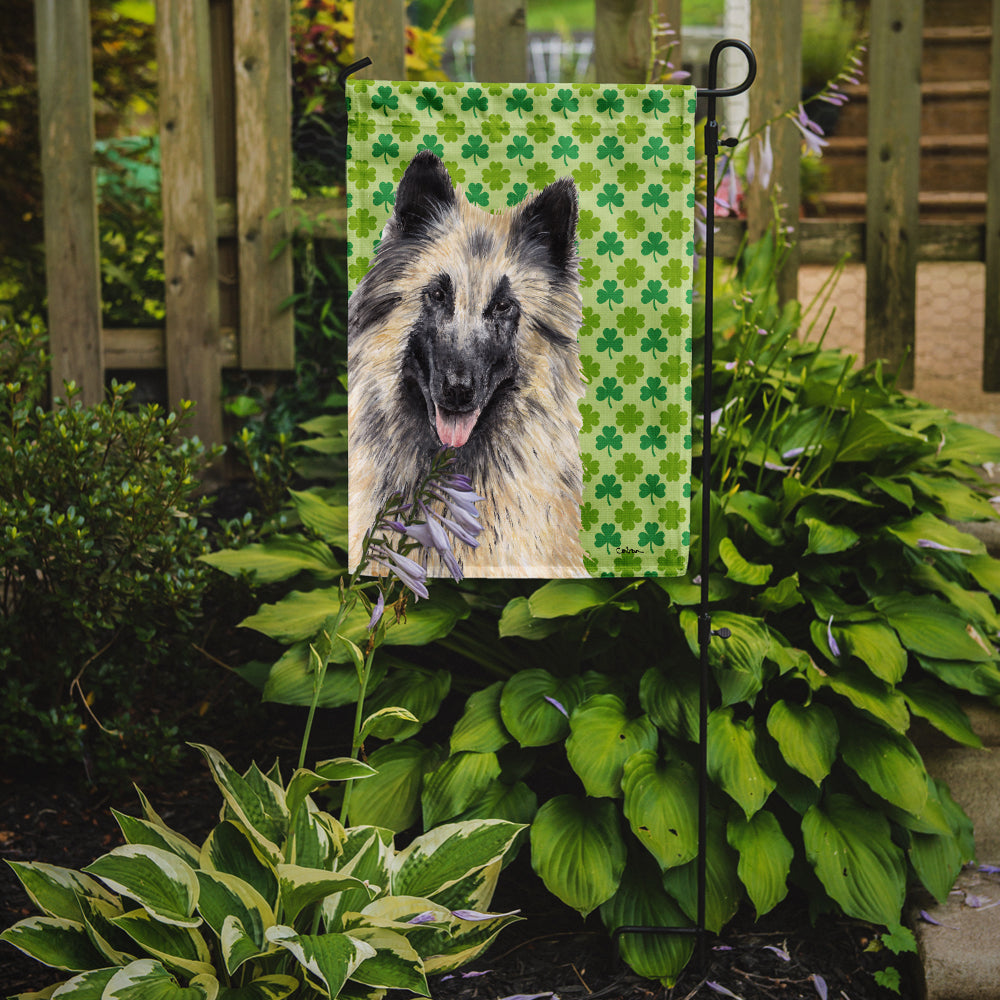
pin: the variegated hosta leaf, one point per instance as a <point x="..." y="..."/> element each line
<point x="441" y="857"/>
<point x="481" y="727"/>
<point x="225" y="897"/>
<point x="177" y="947"/>
<point x="329" y="959"/>
<point x="850" y="847"/>
<point x="147" y="979"/>
<point x="807" y="736"/>
<point x="395" y="964"/>
<point x="160" y="882"/>
<point x="366" y="855"/>
<point x="141" y="831"/>
<point x="86" y="986"/>
<point x="661" y="799"/>
<point x="256" y="801"/>
<point x="54" y="941"/>
<point x="642" y="902"/>
<point x="275" y="987"/>
<point x="765" y="858"/>
<point x="301" y="887"/>
<point x="56" y="891"/>
<point x="230" y="849"/>
<point x="578" y="851"/>
<point x="732" y="760"/>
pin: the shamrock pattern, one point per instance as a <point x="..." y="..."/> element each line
<point x="630" y="150"/>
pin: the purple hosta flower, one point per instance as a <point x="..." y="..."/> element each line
<point x="377" y="612"/>
<point x="432" y="536"/>
<point x="831" y="642"/>
<point x="411" y="574"/>
<point x="557" y="704"/>
<point x="475" y="915"/>
<point x="760" y="165"/>
<point x="811" y="132"/>
<point x="927" y="543"/>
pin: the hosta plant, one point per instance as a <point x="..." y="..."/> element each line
<point x="279" y="900"/>
<point x="854" y="604"/>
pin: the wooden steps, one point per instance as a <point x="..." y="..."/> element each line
<point x="955" y="105"/>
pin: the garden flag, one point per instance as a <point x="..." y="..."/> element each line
<point x="521" y="263"/>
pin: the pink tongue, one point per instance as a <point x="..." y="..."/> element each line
<point x="454" y="428"/>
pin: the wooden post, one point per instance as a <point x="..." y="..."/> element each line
<point x="190" y="254"/>
<point x="622" y="40"/>
<point x="893" y="183"/>
<point x="261" y="56"/>
<point x="776" y="35"/>
<point x="72" y="256"/>
<point x="991" y="333"/>
<point x="380" y="34"/>
<point x="501" y="40"/>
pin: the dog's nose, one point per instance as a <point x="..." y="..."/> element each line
<point x="457" y="391"/>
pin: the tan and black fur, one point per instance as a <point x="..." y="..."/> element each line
<point x="464" y="333"/>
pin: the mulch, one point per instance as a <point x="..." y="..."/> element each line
<point x="551" y="952"/>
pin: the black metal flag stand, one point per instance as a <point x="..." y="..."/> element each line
<point x="705" y="631"/>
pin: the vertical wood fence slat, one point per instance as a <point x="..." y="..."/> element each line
<point x="261" y="57"/>
<point x="190" y="254"/>
<point x="501" y="40"/>
<point x="991" y="332"/>
<point x="893" y="183"/>
<point x="380" y="34"/>
<point x="621" y="40"/>
<point x="776" y="36"/>
<point x="72" y="257"/>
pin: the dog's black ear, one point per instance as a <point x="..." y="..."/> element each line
<point x="425" y="193"/>
<point x="549" y="221"/>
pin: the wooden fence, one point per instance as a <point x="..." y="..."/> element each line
<point x="226" y="161"/>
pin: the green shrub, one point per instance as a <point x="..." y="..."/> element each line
<point x="280" y="899"/>
<point x="99" y="542"/>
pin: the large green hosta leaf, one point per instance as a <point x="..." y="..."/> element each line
<point x="601" y="740"/>
<point x="765" y="858"/>
<point x="481" y="727"/>
<point x="578" y="851"/>
<point x="850" y="848"/>
<point x="888" y="763"/>
<point x="642" y="902"/>
<point x="661" y="806"/>
<point x="932" y="628"/>
<point x="535" y="706"/>
<point x="732" y="760"/>
<point x="807" y="736"/>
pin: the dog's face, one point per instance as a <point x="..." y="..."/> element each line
<point x="481" y="288"/>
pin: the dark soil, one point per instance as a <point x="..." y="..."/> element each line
<point x="551" y="952"/>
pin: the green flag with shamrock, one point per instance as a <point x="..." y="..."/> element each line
<point x="521" y="263"/>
